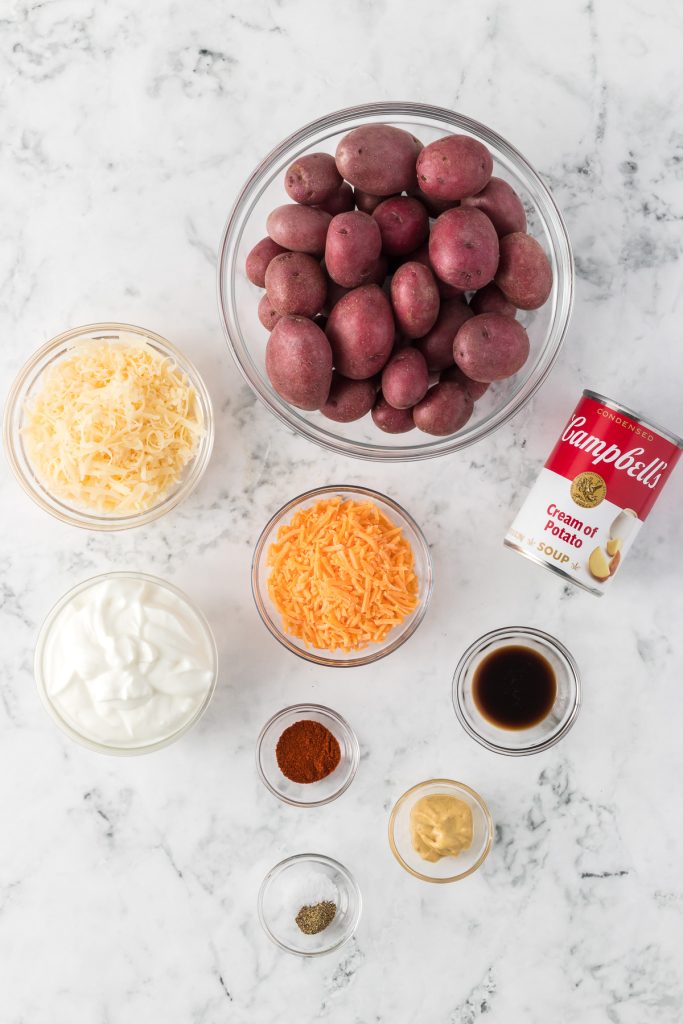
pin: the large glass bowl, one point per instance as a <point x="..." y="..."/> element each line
<point x="238" y="298"/>
<point x="29" y="381"/>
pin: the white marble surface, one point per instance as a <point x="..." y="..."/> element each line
<point x="128" y="887"/>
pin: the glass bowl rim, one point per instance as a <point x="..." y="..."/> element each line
<point x="323" y="711"/>
<point x="511" y="632"/>
<point x="460" y="786"/>
<point x="560" y="244"/>
<point x="90" y="520"/>
<point x="309" y="655"/>
<point x="39" y="677"/>
<point x="318" y="858"/>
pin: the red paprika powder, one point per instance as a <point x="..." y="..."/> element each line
<point x="307" y="752"/>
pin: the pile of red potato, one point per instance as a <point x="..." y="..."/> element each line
<point x="393" y="280"/>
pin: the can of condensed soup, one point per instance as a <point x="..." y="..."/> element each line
<point x="597" y="487"/>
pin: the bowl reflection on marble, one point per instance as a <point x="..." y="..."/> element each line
<point x="396" y="636"/>
<point x="238" y="298"/>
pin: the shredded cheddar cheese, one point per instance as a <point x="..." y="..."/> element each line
<point x="112" y="427"/>
<point x="342" y="575"/>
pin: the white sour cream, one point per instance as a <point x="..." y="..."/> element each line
<point x="127" y="661"/>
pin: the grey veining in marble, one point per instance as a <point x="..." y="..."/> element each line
<point x="128" y="887"/>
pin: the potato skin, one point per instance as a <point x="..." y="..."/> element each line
<point x="340" y="201"/>
<point x="258" y="259"/>
<point x="353" y="246"/>
<point x="437" y="345"/>
<point x="267" y="314"/>
<point x="378" y="158"/>
<point x="299" y="228"/>
<point x="405" y="378"/>
<point x="445" y="408"/>
<point x="415" y="299"/>
<point x="502" y="206"/>
<point x="360" y="330"/>
<point x="312" y="179"/>
<point x="299" y="362"/>
<point x="296" y="285"/>
<point x="490" y="299"/>
<point x="348" y="400"/>
<point x="475" y="388"/>
<point x="403" y="224"/>
<point x="336" y="291"/>
<point x="390" y="420"/>
<point x="454" y="167"/>
<point x="524" y="273"/>
<point x="491" y="347"/>
<point x="446" y="291"/>
<point x="463" y="248"/>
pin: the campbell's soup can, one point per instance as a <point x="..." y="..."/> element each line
<point x="590" y="499"/>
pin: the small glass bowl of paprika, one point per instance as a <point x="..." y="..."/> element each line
<point x="307" y="755"/>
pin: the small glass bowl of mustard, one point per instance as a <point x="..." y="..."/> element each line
<point x="447" y="868"/>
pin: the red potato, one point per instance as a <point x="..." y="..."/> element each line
<point x="491" y="347"/>
<point x="490" y="299"/>
<point x="454" y="167"/>
<point x="437" y="344"/>
<point x="299" y="362"/>
<point x="378" y="158"/>
<point x="296" y="285"/>
<point x="502" y="206"/>
<point x="299" y="228"/>
<point x="267" y="314"/>
<point x="258" y="259"/>
<point x="463" y="248"/>
<point x="336" y="291"/>
<point x="349" y="400"/>
<point x="445" y="408"/>
<point x="524" y="273"/>
<point x="390" y="420"/>
<point x="361" y="331"/>
<point x="353" y="246"/>
<point x="340" y="201"/>
<point x="403" y="224"/>
<point x="475" y="387"/>
<point x="415" y="299"/>
<point x="367" y="203"/>
<point x="312" y="179"/>
<point x="446" y="291"/>
<point x="405" y="378"/>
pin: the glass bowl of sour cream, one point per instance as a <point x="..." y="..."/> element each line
<point x="125" y="663"/>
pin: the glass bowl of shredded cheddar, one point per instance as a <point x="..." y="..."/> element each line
<point x="108" y="426"/>
<point x="342" y="576"/>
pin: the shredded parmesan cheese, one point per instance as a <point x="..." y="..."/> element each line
<point x="112" y="427"/>
<point x="342" y="575"/>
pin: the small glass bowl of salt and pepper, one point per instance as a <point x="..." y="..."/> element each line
<point x="307" y="755"/>
<point x="309" y="905"/>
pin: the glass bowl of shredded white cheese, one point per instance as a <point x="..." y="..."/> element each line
<point x="108" y="426"/>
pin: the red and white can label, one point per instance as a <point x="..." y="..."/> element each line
<point x="597" y="487"/>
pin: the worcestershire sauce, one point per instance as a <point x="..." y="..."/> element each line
<point x="514" y="687"/>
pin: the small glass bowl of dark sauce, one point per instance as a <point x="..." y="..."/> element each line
<point x="517" y="690"/>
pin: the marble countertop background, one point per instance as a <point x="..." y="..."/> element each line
<point x="128" y="887"/>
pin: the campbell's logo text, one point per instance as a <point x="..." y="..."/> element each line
<point x="647" y="473"/>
